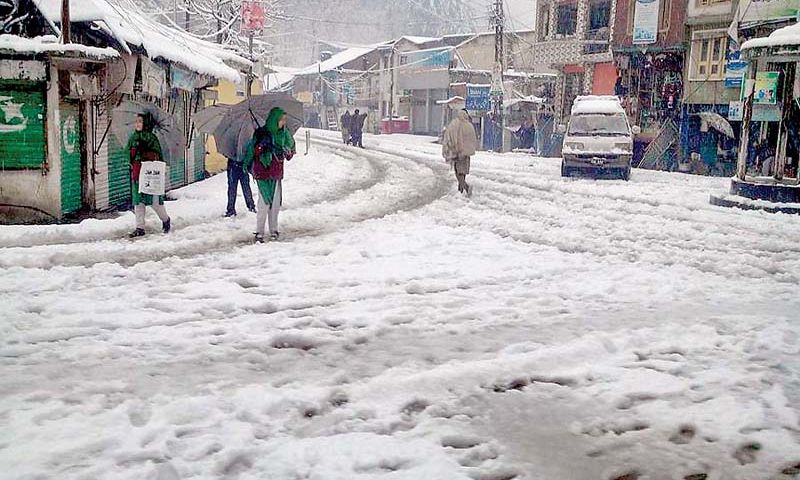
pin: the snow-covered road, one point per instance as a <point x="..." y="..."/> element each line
<point x="546" y="328"/>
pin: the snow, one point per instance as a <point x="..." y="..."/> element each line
<point x="50" y="44"/>
<point x="421" y="40"/>
<point x="588" y="104"/>
<point x="785" y="36"/>
<point x="544" y="328"/>
<point x="531" y="99"/>
<point x="79" y="10"/>
<point x="336" y="61"/>
<point x="279" y="76"/>
<point x="131" y="27"/>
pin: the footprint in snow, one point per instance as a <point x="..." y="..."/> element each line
<point x="747" y="453"/>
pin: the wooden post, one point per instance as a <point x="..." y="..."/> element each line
<point x="66" y="34"/>
<point x="249" y="91"/>
<point x="783" y="128"/>
<point x="747" y="114"/>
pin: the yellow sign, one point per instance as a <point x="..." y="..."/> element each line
<point x="305" y="97"/>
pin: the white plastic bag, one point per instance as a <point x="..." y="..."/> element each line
<point x="152" y="178"/>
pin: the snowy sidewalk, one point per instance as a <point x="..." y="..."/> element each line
<point x="545" y="328"/>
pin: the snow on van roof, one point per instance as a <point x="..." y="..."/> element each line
<point x="605" y="104"/>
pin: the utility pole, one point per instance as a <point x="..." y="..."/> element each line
<point x="498" y="21"/>
<point x="249" y="90"/>
<point x="66" y="36"/>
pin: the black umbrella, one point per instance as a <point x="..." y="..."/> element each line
<point x="233" y="125"/>
<point x="170" y="136"/>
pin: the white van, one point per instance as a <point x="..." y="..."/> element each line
<point x="598" y="139"/>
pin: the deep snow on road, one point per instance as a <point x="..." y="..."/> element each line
<point x="546" y="328"/>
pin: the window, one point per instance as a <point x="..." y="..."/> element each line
<point x="708" y="56"/>
<point x="567" y="19"/>
<point x="599" y="14"/>
<point x="544" y="21"/>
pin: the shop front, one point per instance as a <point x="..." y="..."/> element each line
<point x="767" y="167"/>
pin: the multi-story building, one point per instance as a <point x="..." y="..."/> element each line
<point x="712" y="80"/>
<point x="573" y="40"/>
<point x="649" y="54"/>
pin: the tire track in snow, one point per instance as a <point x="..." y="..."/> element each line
<point x="406" y="189"/>
<point x="377" y="174"/>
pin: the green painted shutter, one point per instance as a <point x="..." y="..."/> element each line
<point x="70" y="156"/>
<point x="22" y="117"/>
<point x="119" y="172"/>
<point x="177" y="171"/>
<point x="199" y="157"/>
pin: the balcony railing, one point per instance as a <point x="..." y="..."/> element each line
<point x="596" y="41"/>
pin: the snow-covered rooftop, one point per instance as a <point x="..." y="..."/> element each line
<point x="279" y="76"/>
<point x="336" y="61"/>
<point x="130" y="27"/>
<point x="786" y="36"/>
<point x="421" y="40"/>
<point x="49" y="44"/>
<point x="603" y="104"/>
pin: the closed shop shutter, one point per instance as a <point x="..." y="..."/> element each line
<point x="70" y="136"/>
<point x="177" y="165"/>
<point x="199" y="157"/>
<point x="22" y="119"/>
<point x="101" y="158"/>
<point x="119" y="173"/>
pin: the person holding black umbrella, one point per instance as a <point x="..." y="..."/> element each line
<point x="143" y="146"/>
<point x="271" y="145"/>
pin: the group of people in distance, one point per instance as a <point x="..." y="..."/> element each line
<point x="352" y="127"/>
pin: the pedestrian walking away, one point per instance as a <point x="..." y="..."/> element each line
<point x="143" y="146"/>
<point x="344" y="122"/>
<point x="357" y="128"/>
<point x="272" y="144"/>
<point x="459" y="144"/>
<point x="238" y="175"/>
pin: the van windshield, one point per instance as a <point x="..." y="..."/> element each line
<point x="598" y="124"/>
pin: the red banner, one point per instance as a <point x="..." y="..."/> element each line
<point x="253" y="17"/>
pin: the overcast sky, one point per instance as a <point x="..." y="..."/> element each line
<point x="521" y="12"/>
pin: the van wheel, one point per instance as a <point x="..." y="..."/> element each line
<point x="564" y="172"/>
<point x="626" y="173"/>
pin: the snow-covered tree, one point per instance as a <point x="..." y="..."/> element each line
<point x="217" y="21"/>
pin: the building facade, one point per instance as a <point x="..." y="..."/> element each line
<point x="573" y="40"/>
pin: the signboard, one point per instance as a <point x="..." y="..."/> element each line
<point x="253" y="17"/>
<point x="766" y="113"/>
<point x="736" y="111"/>
<point x="497" y="81"/>
<point x="735" y="68"/>
<point x="186" y="80"/>
<point x="23" y="70"/>
<point x="425" y="69"/>
<point x="305" y="97"/>
<point x="766" y="92"/>
<point x="427" y="60"/>
<point x="645" y="22"/>
<point x="478" y="98"/>
<point x="757" y="11"/>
